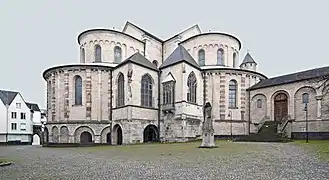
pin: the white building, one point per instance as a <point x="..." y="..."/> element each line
<point x="16" y="126"/>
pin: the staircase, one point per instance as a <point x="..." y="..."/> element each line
<point x="267" y="132"/>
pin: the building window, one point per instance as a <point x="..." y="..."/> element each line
<point x="305" y="98"/>
<point x="259" y="103"/>
<point x="201" y="57"/>
<point x="13" y="115"/>
<point x="220" y="56"/>
<point x="117" y="54"/>
<point x="83" y="55"/>
<point x="168" y="89"/>
<point x="98" y="54"/>
<point x="234" y="59"/>
<point x="232" y="94"/>
<point x="18" y="105"/>
<point x="23" y="127"/>
<point x="191" y="91"/>
<point x="146" y="91"/>
<point x="78" y="90"/>
<point x="23" y="116"/>
<point x="13" y="126"/>
<point x="155" y="62"/>
<point x="121" y="91"/>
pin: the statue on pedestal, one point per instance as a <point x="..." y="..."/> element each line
<point x="208" y="140"/>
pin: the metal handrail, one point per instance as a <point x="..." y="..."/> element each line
<point x="262" y="122"/>
<point x="283" y="124"/>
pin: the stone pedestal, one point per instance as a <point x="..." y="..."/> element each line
<point x="208" y="140"/>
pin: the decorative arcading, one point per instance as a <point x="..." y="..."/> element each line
<point x="53" y="98"/>
<point x="88" y="95"/>
<point x="243" y="93"/>
<point x="222" y="106"/>
<point x="48" y="97"/>
<point x="109" y="92"/>
<point x="66" y="95"/>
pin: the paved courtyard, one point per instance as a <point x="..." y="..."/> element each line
<point x="165" y="161"/>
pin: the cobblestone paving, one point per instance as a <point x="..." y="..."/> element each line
<point x="170" y="161"/>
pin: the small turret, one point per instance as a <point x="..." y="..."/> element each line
<point x="248" y="63"/>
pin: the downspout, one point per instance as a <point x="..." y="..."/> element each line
<point x="249" y="116"/>
<point x="204" y="93"/>
<point x="159" y="109"/>
<point x="111" y="108"/>
<point x="7" y="129"/>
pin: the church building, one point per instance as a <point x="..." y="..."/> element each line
<point x="133" y="87"/>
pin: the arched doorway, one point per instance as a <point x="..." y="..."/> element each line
<point x="117" y="135"/>
<point x="150" y="134"/>
<point x="280" y="106"/>
<point x="85" y="138"/>
<point x="36" y="140"/>
<point x="108" y="138"/>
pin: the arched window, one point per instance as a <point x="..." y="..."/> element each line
<point x="121" y="90"/>
<point x="146" y="91"/>
<point x="234" y="59"/>
<point x="117" y="54"/>
<point x="78" y="90"/>
<point x="82" y="55"/>
<point x="259" y="103"/>
<point x="98" y="54"/>
<point x="220" y="56"/>
<point x="168" y="92"/>
<point x="191" y="91"/>
<point x="305" y="98"/>
<point x="232" y="94"/>
<point x="201" y="57"/>
<point x="155" y="62"/>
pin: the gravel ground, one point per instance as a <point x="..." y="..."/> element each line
<point x="169" y="161"/>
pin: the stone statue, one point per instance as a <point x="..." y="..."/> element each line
<point x="208" y="140"/>
<point x="130" y="73"/>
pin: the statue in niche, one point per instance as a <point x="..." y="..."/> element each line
<point x="130" y="73"/>
<point x="208" y="140"/>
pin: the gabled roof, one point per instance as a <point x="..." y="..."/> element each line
<point x="33" y="106"/>
<point x="290" y="78"/>
<point x="194" y="26"/>
<point x="248" y="59"/>
<point x="180" y="54"/>
<point x="137" y="27"/>
<point x="139" y="59"/>
<point x="168" y="78"/>
<point x="7" y="97"/>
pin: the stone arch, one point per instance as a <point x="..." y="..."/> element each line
<point x="54" y="133"/>
<point x="324" y="103"/>
<point x="258" y="113"/>
<point x="36" y="139"/>
<point x="280" y="108"/>
<point x="106" y="135"/>
<point x="117" y="135"/>
<point x="46" y="135"/>
<point x="150" y="133"/>
<point x="64" y="135"/>
<point x="299" y="113"/>
<point x="78" y="132"/>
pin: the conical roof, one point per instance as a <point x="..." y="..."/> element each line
<point x="180" y="54"/>
<point x="139" y="59"/>
<point x="248" y="59"/>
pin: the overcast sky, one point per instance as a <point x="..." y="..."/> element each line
<point x="282" y="36"/>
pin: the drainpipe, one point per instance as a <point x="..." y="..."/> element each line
<point x="159" y="109"/>
<point x="7" y="129"/>
<point x="249" y="116"/>
<point x="111" y="108"/>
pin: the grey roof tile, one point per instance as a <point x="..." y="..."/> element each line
<point x="7" y="97"/>
<point x="33" y="106"/>
<point x="248" y="59"/>
<point x="139" y="59"/>
<point x="290" y="78"/>
<point x="180" y="54"/>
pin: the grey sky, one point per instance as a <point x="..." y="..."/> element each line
<point x="282" y="36"/>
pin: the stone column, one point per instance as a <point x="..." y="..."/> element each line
<point x="99" y="95"/>
<point x="318" y="114"/>
<point x="88" y="94"/>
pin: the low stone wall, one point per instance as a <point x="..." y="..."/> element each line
<point x="311" y="135"/>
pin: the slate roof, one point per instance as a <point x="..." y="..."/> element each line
<point x="248" y="59"/>
<point x="139" y="59"/>
<point x="7" y="97"/>
<point x="147" y="33"/>
<point x="33" y="106"/>
<point x="290" y="78"/>
<point x="180" y="54"/>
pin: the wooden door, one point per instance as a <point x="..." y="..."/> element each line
<point x="280" y="107"/>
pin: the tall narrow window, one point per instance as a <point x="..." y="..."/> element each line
<point x="232" y="94"/>
<point x="201" y="57"/>
<point x="220" y="56"/>
<point x="83" y="56"/>
<point x="146" y="91"/>
<point x="155" y="62"/>
<point x="259" y="103"/>
<point x="305" y="98"/>
<point x="98" y="54"/>
<point x="191" y="91"/>
<point x="234" y="59"/>
<point x="168" y="89"/>
<point x="78" y="90"/>
<point x="117" y="54"/>
<point x="121" y="91"/>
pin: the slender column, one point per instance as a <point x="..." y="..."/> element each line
<point x="318" y="114"/>
<point x="99" y="95"/>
